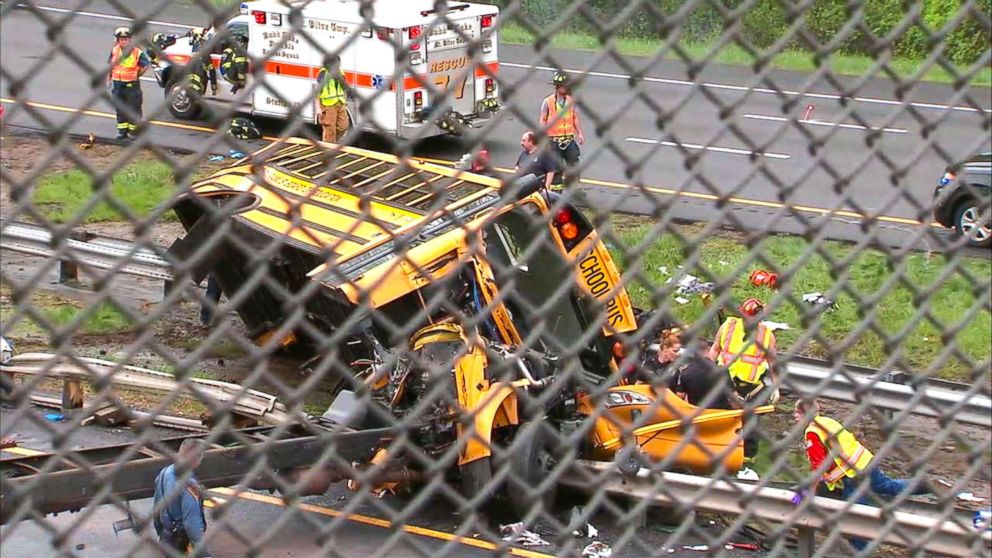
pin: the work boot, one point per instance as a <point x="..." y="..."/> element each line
<point x="121" y="136"/>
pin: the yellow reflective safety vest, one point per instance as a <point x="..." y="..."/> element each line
<point x="125" y="67"/>
<point x="561" y="119"/>
<point x="331" y="90"/>
<point x="850" y="457"/>
<point x="747" y="363"/>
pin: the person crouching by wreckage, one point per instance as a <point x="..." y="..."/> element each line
<point x="693" y="378"/>
<point x="180" y="522"/>
<point x="843" y="464"/>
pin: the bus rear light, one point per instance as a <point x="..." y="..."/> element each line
<point x="569" y="231"/>
<point x="571" y="227"/>
<point x="490" y="87"/>
<point x="418" y="99"/>
<point x="383" y="33"/>
<point x="486" y="21"/>
<point x="259" y="17"/>
<point x="414" y="33"/>
<point x="487" y="45"/>
<point x="415" y="57"/>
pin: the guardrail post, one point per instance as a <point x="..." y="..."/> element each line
<point x="72" y="395"/>
<point x="68" y="268"/>
<point x="68" y="271"/>
<point x="805" y="542"/>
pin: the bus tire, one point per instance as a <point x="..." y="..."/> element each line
<point x="533" y="459"/>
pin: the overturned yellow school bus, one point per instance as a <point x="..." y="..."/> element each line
<point x="398" y="274"/>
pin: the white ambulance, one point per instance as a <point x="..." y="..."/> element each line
<point x="414" y="72"/>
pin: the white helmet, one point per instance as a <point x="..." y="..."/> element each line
<point x="122" y="32"/>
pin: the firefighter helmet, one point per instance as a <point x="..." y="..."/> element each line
<point x="122" y="32"/>
<point x="560" y="79"/>
<point x="751" y="307"/>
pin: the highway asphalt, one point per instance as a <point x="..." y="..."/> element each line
<point x="740" y="131"/>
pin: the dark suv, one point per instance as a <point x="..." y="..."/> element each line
<point x="962" y="200"/>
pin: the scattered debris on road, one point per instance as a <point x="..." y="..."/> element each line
<point x="515" y="533"/>
<point x="597" y="549"/>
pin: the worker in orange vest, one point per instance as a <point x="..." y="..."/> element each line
<point x="127" y="64"/>
<point x="560" y="122"/>
<point x="842" y="463"/>
<point x="746" y="348"/>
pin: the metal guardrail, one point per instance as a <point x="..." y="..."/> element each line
<point x="92" y="250"/>
<point x="963" y="404"/>
<point x="940" y="535"/>
<point x="262" y="407"/>
<point x="68" y="481"/>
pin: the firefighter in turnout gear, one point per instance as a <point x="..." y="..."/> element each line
<point x="204" y="68"/>
<point x="234" y="63"/>
<point x="841" y="462"/>
<point x="200" y="70"/>
<point x="745" y="347"/>
<point x="332" y="101"/>
<point x="127" y="64"/>
<point x="560" y="122"/>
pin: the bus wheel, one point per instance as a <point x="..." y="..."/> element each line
<point x="183" y="103"/>
<point x="533" y="460"/>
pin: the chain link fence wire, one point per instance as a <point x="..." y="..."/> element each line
<point x="451" y="362"/>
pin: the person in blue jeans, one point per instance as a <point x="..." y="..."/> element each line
<point x="213" y="299"/>
<point x="845" y="464"/>
<point x="180" y="523"/>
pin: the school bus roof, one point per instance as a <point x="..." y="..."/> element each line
<point x="339" y="201"/>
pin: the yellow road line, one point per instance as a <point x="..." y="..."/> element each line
<point x="24" y="452"/>
<point x="591" y="181"/>
<point x="385" y="524"/>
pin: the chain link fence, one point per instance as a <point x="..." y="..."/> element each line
<point x="596" y="348"/>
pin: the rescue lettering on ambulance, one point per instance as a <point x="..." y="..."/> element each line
<point x="599" y="283"/>
<point x="448" y="65"/>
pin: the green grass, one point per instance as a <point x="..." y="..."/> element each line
<point x="732" y="54"/>
<point x="104" y="319"/>
<point x="952" y="302"/>
<point x="140" y="187"/>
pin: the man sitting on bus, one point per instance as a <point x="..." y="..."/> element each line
<point x="535" y="160"/>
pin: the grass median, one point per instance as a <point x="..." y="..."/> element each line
<point x="140" y="187"/>
<point x="881" y="290"/>
<point x="732" y="54"/>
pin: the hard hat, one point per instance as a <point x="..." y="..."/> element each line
<point x="760" y="277"/>
<point x="122" y="32"/>
<point x="561" y="78"/>
<point x="751" y="307"/>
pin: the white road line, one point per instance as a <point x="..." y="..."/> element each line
<point x="764" y="90"/>
<point x="612" y="75"/>
<point x="822" y="123"/>
<point x="731" y="150"/>
<point x="107" y="16"/>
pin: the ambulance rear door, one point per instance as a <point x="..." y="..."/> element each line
<point x="449" y="65"/>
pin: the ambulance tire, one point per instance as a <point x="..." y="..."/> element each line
<point x="183" y="103"/>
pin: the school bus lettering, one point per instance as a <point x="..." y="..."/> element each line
<point x="598" y="284"/>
